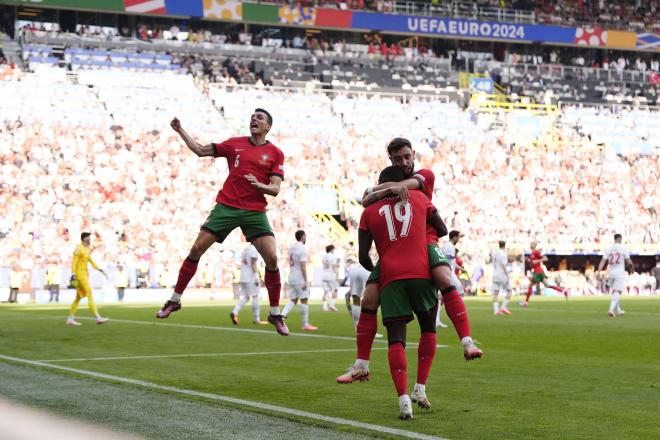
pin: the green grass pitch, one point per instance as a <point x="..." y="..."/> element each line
<point x="555" y="370"/>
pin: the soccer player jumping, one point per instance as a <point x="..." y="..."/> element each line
<point x="255" y="169"/>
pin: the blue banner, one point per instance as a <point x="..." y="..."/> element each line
<point x="484" y="85"/>
<point x="449" y="27"/>
<point x="184" y="7"/>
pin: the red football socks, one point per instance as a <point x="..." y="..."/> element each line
<point x="425" y="355"/>
<point x="187" y="271"/>
<point x="273" y="285"/>
<point x="396" y="355"/>
<point x="456" y="311"/>
<point x="366" y="332"/>
<point x="529" y="293"/>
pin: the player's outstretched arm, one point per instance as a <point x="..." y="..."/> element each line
<point x="365" y="241"/>
<point x="197" y="148"/>
<point x="272" y="189"/>
<point x="436" y="221"/>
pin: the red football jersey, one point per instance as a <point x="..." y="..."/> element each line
<point x="536" y="255"/>
<point x="426" y="180"/>
<point x="399" y="230"/>
<point x="243" y="157"/>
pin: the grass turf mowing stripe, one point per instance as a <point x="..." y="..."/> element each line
<point x="251" y="353"/>
<point x="216" y="397"/>
<point x="245" y="330"/>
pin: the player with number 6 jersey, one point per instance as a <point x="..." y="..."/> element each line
<point x="256" y="169"/>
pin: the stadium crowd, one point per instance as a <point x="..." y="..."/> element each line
<point x="123" y="174"/>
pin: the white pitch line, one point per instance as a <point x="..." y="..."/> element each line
<point x="235" y="401"/>
<point x="251" y="353"/>
<point x="245" y="330"/>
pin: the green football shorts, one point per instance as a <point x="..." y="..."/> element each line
<point x="436" y="258"/>
<point x="538" y="277"/>
<point x="223" y="219"/>
<point x="400" y="298"/>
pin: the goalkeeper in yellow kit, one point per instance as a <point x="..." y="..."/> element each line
<point x="80" y="279"/>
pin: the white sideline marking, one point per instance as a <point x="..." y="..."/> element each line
<point x="218" y="397"/>
<point x="252" y="353"/>
<point x="245" y="330"/>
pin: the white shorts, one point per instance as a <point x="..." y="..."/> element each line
<point x="358" y="282"/>
<point x="297" y="292"/>
<point x="248" y="289"/>
<point x="499" y="286"/>
<point x="457" y="283"/>
<point x="616" y="282"/>
<point x="329" y="285"/>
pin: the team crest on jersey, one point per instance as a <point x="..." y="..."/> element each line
<point x="264" y="159"/>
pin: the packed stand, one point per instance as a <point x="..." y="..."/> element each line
<point x="103" y="158"/>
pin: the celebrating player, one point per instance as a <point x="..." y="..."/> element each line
<point x="538" y="274"/>
<point x="402" y="155"/>
<point x="616" y="257"/>
<point x="500" y="280"/>
<point x="80" y="280"/>
<point x="399" y="231"/>
<point x="248" y="285"/>
<point x="330" y="268"/>
<point x="256" y="168"/>
<point x="298" y="284"/>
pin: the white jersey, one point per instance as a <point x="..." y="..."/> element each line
<point x="616" y="260"/>
<point x="449" y="250"/>
<point x="249" y="256"/>
<point x="329" y="267"/>
<point x="297" y="255"/>
<point x="500" y="260"/>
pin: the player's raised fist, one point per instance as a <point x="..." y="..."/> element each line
<point x="175" y="124"/>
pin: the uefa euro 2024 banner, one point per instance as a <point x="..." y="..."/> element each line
<point x="456" y="28"/>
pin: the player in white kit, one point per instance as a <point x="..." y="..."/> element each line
<point x="616" y="257"/>
<point x="298" y="284"/>
<point x="248" y="285"/>
<point x="357" y="280"/>
<point x="329" y="281"/>
<point x="500" y="280"/>
<point x="449" y="249"/>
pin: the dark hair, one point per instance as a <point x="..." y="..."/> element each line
<point x="617" y="236"/>
<point x="453" y="234"/>
<point x="299" y="234"/>
<point x="502" y="244"/>
<point x="329" y="248"/>
<point x="269" y="118"/>
<point x="84" y="235"/>
<point x="391" y="174"/>
<point x="398" y="143"/>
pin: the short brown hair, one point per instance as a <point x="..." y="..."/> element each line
<point x="396" y="144"/>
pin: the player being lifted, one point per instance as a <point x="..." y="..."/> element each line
<point x="538" y="274"/>
<point x="298" y="284"/>
<point x="330" y="268"/>
<point x="616" y="257"/>
<point x="80" y="279"/>
<point x="500" y="280"/>
<point x="399" y="231"/>
<point x="256" y="168"/>
<point x="248" y="285"/>
<point x="402" y="155"/>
